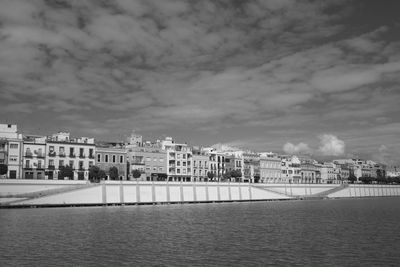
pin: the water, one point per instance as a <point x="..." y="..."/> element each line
<point x="356" y="232"/>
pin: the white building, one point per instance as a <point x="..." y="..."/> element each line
<point x="77" y="153"/>
<point x="11" y="151"/>
<point x="270" y="168"/>
<point x="179" y="160"/>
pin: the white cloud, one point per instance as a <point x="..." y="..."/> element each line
<point x="331" y="145"/>
<point x="290" y="148"/>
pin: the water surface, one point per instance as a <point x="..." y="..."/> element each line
<point x="352" y="232"/>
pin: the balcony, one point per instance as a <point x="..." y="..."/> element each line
<point x="40" y="156"/>
<point x="91" y="156"/>
<point x="52" y="154"/>
<point x="28" y="167"/>
<point x="81" y="156"/>
<point x="72" y="155"/>
<point x="28" y="155"/>
<point x="81" y="169"/>
<point x="61" y="155"/>
<point x="51" y="167"/>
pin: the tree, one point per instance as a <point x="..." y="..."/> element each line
<point x="210" y="175"/>
<point x="95" y="174"/>
<point x="113" y="171"/>
<point x="3" y="169"/>
<point x="352" y="178"/>
<point x="237" y="174"/>
<point x="66" y="171"/>
<point x="136" y="174"/>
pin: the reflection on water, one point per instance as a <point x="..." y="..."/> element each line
<point x="354" y="232"/>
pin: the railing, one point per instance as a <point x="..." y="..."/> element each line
<point x="52" y="167"/>
<point x="82" y="156"/>
<point x="40" y="155"/>
<point x="52" y="154"/>
<point x="28" y="155"/>
<point x="28" y="167"/>
<point x="72" y="155"/>
<point x="91" y="156"/>
<point x="62" y="155"/>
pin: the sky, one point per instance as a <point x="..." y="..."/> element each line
<point x="316" y="77"/>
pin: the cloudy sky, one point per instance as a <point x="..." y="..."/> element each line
<point x="297" y="76"/>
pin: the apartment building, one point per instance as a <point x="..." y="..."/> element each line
<point x="11" y="151"/>
<point x="34" y="156"/>
<point x="179" y="160"/>
<point x="291" y="169"/>
<point x="270" y="168"/>
<point x="201" y="163"/>
<point x="149" y="159"/>
<point x="109" y="155"/>
<point x="78" y="153"/>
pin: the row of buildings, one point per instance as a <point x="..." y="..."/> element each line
<point x="42" y="157"/>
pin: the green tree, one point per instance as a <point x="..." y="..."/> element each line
<point x="136" y="174"/>
<point x="66" y="171"/>
<point x="113" y="171"/>
<point x="3" y="169"/>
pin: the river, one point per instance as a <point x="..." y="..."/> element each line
<point x="350" y="232"/>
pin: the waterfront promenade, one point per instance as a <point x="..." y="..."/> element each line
<point x="27" y="193"/>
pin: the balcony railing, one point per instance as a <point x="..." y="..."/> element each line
<point x="91" y="156"/>
<point x="28" y="155"/>
<point x="61" y="155"/>
<point x="41" y="155"/>
<point x="28" y="167"/>
<point x="72" y="155"/>
<point x="52" y="154"/>
<point x="52" y="167"/>
<point x="82" y="156"/>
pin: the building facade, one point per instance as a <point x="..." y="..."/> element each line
<point x="108" y="156"/>
<point x="270" y="168"/>
<point x="11" y="151"/>
<point x="34" y="157"/>
<point x="77" y="153"/>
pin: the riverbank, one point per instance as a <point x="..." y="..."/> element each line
<point x="54" y="193"/>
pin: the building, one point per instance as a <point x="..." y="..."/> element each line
<point x="201" y="163"/>
<point x="329" y="173"/>
<point x="34" y="157"/>
<point x="179" y="160"/>
<point x="310" y="171"/>
<point x="150" y="160"/>
<point x="11" y="151"/>
<point x="251" y="167"/>
<point x="109" y="155"/>
<point x="78" y="153"/>
<point x="270" y="168"/>
<point x="291" y="169"/>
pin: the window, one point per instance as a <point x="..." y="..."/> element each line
<point x="114" y="158"/>
<point x="161" y="160"/>
<point x="51" y="148"/>
<point x="90" y="152"/>
<point x="71" y="164"/>
<point x="13" y="146"/>
<point x="105" y="158"/>
<point x="178" y="163"/>
<point x="184" y="156"/>
<point x="81" y="152"/>
<point x="90" y="164"/>
<point x="98" y="157"/>
<point x="81" y="165"/>
<point x="154" y="168"/>
<point x="61" y="163"/>
<point x="27" y="164"/>
<point x="148" y="159"/>
<point x="71" y="151"/>
<point x="121" y="159"/>
<point x="184" y="164"/>
<point x="178" y="171"/>
<point x="160" y="169"/>
<point x="62" y="150"/>
<point x="154" y="159"/>
<point x="51" y="162"/>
